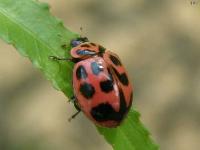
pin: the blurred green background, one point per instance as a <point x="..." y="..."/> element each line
<point x="158" y="42"/>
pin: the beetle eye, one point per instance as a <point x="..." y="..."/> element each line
<point x="75" y="43"/>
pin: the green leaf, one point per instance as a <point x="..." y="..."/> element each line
<point x="29" y="27"/>
<point x="36" y="34"/>
<point x="131" y="135"/>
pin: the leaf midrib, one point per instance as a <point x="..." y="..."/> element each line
<point x="126" y="137"/>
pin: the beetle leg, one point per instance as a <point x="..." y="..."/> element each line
<point x="76" y="105"/>
<point x="72" y="99"/>
<point x="57" y="58"/>
<point x="54" y="58"/>
<point x="74" y="115"/>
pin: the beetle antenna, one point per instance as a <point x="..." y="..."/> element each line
<point x="81" y="29"/>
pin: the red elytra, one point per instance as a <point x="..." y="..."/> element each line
<point x="102" y="89"/>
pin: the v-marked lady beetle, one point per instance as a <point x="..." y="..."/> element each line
<point x="102" y="90"/>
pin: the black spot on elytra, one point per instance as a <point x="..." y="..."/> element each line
<point x="105" y="112"/>
<point x="85" y="45"/>
<point x="115" y="60"/>
<point x="106" y="86"/>
<point x="87" y="90"/>
<point x="122" y="77"/>
<point x="85" y="52"/>
<point x="81" y="73"/>
<point x="123" y="108"/>
<point x="96" y="68"/>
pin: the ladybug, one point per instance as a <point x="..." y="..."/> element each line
<point x="102" y="90"/>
